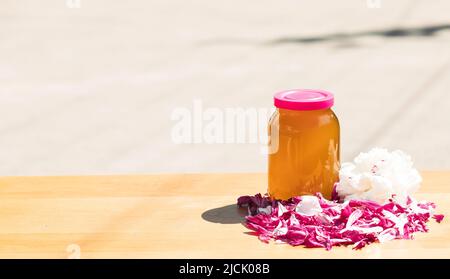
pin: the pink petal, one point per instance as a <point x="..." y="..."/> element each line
<point x="357" y="222"/>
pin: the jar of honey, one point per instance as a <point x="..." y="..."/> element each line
<point x="303" y="144"/>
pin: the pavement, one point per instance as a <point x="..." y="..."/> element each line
<point x="90" y="87"/>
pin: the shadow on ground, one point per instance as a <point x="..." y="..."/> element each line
<point x="423" y="31"/>
<point x="229" y="214"/>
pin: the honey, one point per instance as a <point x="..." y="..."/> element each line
<point x="303" y="144"/>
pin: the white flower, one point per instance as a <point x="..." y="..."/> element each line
<point x="377" y="175"/>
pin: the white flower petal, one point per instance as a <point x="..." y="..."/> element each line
<point x="308" y="206"/>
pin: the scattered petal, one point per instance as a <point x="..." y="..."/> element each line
<point x="438" y="217"/>
<point x="313" y="221"/>
<point x="308" y="206"/>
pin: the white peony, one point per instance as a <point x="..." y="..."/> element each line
<point x="377" y="175"/>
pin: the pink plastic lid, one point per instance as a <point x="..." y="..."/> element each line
<point x="303" y="99"/>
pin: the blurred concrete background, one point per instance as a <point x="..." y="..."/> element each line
<point x="88" y="86"/>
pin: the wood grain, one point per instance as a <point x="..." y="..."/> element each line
<point x="169" y="216"/>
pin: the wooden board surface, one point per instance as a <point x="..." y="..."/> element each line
<point x="169" y="216"/>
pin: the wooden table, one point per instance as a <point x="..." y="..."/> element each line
<point x="169" y="216"/>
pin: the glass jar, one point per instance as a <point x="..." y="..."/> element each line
<point x="303" y="144"/>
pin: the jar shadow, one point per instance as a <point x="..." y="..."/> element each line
<point x="228" y="214"/>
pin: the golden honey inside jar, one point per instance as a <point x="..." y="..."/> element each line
<point x="303" y="144"/>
